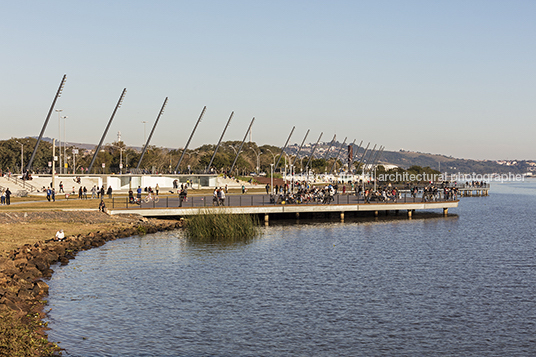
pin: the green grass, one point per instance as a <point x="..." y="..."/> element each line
<point x="20" y="338"/>
<point x="215" y="225"/>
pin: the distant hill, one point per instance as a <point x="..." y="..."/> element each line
<point x="443" y="163"/>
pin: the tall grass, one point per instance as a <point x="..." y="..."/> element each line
<point x="219" y="226"/>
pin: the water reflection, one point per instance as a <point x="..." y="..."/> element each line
<point x="387" y="286"/>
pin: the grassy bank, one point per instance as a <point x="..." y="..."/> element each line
<point x="21" y="337"/>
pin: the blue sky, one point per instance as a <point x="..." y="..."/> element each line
<point x="450" y="77"/>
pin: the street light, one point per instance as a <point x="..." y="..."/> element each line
<point x="232" y="147"/>
<point x="21" y="156"/>
<point x="120" y="158"/>
<point x="144" y="132"/>
<point x="272" y="155"/>
<point x="258" y="154"/>
<point x="271" y="179"/>
<point x="59" y="135"/>
<point x="64" y="169"/>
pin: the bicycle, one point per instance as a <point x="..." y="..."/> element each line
<point x="150" y="198"/>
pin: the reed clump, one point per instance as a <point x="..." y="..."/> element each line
<point x="218" y="226"/>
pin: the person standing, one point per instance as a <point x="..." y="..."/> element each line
<point x="53" y="194"/>
<point x="8" y="196"/>
<point x="156" y="189"/>
<point x="61" y="187"/>
<point x="138" y="193"/>
<point x="109" y="192"/>
<point x="222" y="198"/>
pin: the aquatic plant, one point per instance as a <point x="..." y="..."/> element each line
<point x="217" y="225"/>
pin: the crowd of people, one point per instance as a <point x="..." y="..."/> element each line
<point x="302" y="192"/>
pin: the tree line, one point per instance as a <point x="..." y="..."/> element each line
<point x="252" y="158"/>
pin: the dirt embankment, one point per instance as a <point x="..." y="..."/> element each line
<point x="29" y="227"/>
<point x="90" y="217"/>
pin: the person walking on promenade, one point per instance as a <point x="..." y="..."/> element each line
<point x="80" y="191"/>
<point x="53" y="194"/>
<point x="156" y="189"/>
<point x="3" y="197"/>
<point x="222" y="198"/>
<point x="109" y="192"/>
<point x="85" y="192"/>
<point x="61" y="187"/>
<point x="8" y="196"/>
<point x="215" y="197"/>
<point x="94" y="192"/>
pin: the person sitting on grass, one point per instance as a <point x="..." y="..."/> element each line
<point x="102" y="206"/>
<point x="60" y="235"/>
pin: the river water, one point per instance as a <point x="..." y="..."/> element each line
<point x="464" y="285"/>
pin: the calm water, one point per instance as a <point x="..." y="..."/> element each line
<point x="464" y="285"/>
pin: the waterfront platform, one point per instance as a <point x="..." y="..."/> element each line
<point x="268" y="210"/>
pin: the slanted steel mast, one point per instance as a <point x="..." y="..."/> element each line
<point x="151" y="134"/>
<point x="362" y="158"/>
<point x="58" y="94"/>
<point x="106" y="130"/>
<point x="219" y="143"/>
<point x="338" y="154"/>
<point x="298" y="153"/>
<point x="191" y="135"/>
<point x="354" y="157"/>
<point x="314" y="149"/>
<point x="284" y="147"/>
<point x="240" y="148"/>
<point x="329" y="147"/>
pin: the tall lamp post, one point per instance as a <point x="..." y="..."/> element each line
<point x="258" y="154"/>
<point x="21" y="156"/>
<point x="272" y="154"/>
<point x="144" y="132"/>
<point x="64" y="168"/>
<point x="271" y="179"/>
<point x="232" y="147"/>
<point x="59" y="136"/>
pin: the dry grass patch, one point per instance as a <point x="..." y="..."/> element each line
<point x="15" y="235"/>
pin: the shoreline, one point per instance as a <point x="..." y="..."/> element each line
<point x="23" y="271"/>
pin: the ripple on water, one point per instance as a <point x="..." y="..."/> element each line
<point x="463" y="285"/>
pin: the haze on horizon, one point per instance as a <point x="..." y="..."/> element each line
<point x="454" y="78"/>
